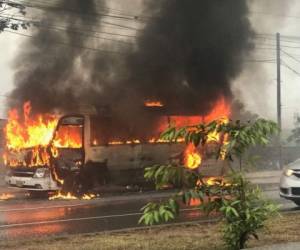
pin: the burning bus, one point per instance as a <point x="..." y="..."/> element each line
<point x="75" y="152"/>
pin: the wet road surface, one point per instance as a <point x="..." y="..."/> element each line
<point x="34" y="218"/>
<point x="22" y="217"/>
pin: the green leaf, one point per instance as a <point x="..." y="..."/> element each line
<point x="142" y="219"/>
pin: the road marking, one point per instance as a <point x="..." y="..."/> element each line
<point x="37" y="208"/>
<point x="81" y="219"/>
<point x="68" y="220"/>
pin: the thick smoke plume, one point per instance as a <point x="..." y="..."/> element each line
<point x="47" y="68"/>
<point x="190" y="51"/>
<point x="186" y="55"/>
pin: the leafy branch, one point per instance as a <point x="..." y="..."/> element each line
<point x="242" y="207"/>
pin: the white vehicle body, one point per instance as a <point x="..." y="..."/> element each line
<point x="290" y="182"/>
<point x="38" y="179"/>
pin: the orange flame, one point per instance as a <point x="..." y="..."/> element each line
<point x="35" y="133"/>
<point x="28" y="132"/>
<point x="4" y="197"/>
<point x="220" y="112"/>
<point x="68" y="137"/>
<point x="62" y="196"/>
<point x="211" y="181"/>
<point x="192" y="158"/>
<point x="69" y="196"/>
<point x="153" y="104"/>
<point x="88" y="196"/>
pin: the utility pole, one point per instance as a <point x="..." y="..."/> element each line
<point x="279" y="121"/>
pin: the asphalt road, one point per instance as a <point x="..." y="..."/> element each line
<point x="22" y="217"/>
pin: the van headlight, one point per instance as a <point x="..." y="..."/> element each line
<point x="39" y="173"/>
<point x="288" y="172"/>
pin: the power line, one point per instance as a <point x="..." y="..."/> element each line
<point x="106" y="9"/>
<point x="261" y="60"/>
<point x="269" y="60"/>
<point x="290" y="68"/>
<point x="89" y="33"/>
<point x="289" y="55"/>
<point x="41" y="24"/>
<point x="108" y="24"/>
<point x="261" y="48"/>
<point x="84" y="34"/>
<point x="72" y="45"/>
<point x="121" y="26"/>
<point x="266" y="44"/>
<point x="271" y="36"/>
<point x="290" y="47"/>
<point x="95" y="14"/>
<point x="273" y="14"/>
<point x="273" y="40"/>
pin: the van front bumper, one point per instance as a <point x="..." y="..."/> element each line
<point x="30" y="183"/>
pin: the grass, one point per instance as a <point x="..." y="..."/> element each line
<point x="197" y="236"/>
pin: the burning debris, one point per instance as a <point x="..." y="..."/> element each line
<point x="68" y="196"/>
<point x="5" y="196"/>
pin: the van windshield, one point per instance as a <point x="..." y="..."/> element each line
<point x="69" y="134"/>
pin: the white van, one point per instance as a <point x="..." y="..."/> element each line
<point x="103" y="154"/>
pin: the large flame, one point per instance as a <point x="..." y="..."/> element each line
<point x="221" y="113"/>
<point x="29" y="131"/>
<point x="68" y="137"/>
<point x="35" y="132"/>
<point x="26" y="132"/>
<point x="192" y="158"/>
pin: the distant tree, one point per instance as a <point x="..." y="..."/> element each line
<point x="7" y="21"/>
<point x="295" y="135"/>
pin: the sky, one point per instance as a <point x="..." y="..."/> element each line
<point x="255" y="87"/>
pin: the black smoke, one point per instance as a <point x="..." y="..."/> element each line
<point x="190" y="51"/>
<point x="186" y="55"/>
<point x="48" y="67"/>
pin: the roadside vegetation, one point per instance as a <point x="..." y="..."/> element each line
<point x="282" y="229"/>
<point x="242" y="207"/>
